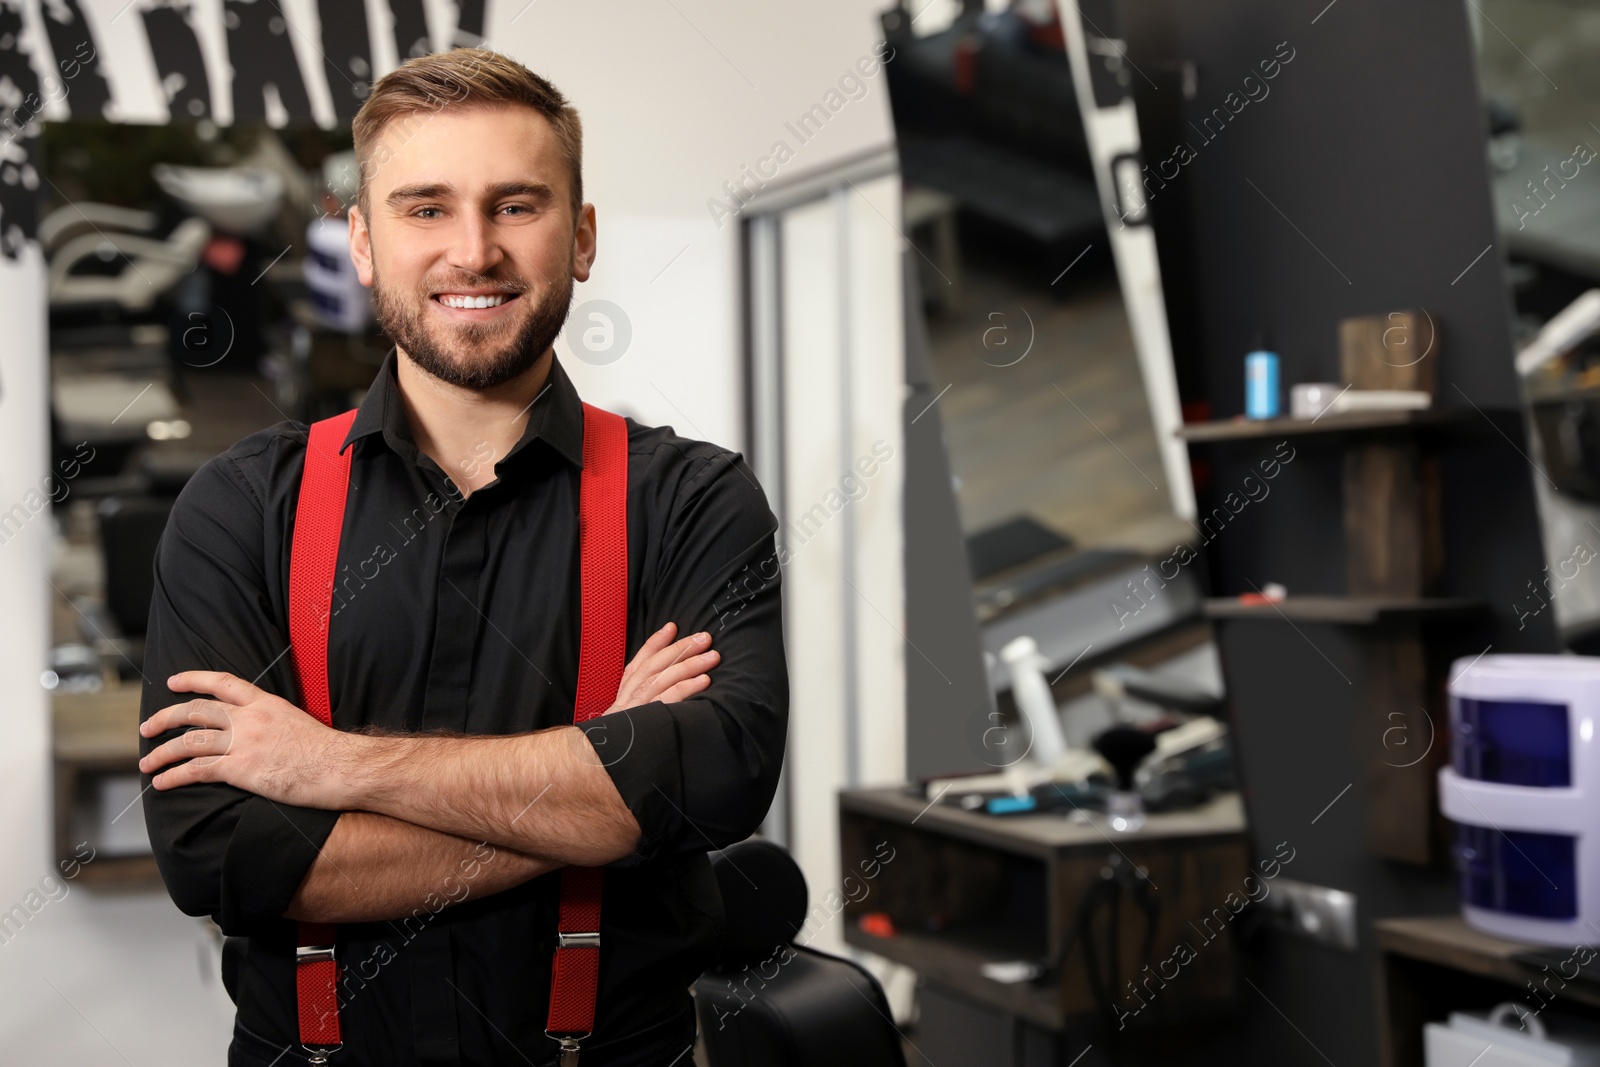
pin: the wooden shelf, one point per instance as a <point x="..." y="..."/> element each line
<point x="1041" y="836"/>
<point x="1353" y="422"/>
<point x="1343" y="610"/>
<point x="101" y="726"/>
<point x="1431" y="966"/>
<point x="1448" y="941"/>
<point x="121" y="873"/>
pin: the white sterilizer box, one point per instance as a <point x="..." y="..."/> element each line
<point x="1523" y="790"/>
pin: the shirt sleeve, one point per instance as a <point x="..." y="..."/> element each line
<point x="222" y="851"/>
<point x="700" y="774"/>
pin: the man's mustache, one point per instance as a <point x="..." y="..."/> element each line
<point x="474" y="281"/>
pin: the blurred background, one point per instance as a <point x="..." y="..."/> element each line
<point x="1226" y="372"/>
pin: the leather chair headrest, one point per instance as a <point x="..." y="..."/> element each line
<point x="764" y="900"/>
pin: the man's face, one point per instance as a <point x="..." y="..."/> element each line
<point x="471" y="207"/>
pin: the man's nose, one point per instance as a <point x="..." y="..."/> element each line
<point x="476" y="247"/>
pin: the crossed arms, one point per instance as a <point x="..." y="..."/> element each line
<point x="417" y="809"/>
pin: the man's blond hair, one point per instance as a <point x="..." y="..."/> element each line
<point x="420" y="88"/>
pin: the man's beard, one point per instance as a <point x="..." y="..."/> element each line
<point x="473" y="355"/>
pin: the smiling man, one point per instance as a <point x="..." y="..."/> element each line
<point x="433" y="820"/>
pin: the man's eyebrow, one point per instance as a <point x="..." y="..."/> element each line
<point x="536" y="189"/>
<point x="421" y="191"/>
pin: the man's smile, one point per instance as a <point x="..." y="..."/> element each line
<point x="472" y="301"/>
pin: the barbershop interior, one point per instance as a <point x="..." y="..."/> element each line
<point x="1196" y="409"/>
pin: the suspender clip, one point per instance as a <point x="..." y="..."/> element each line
<point x="568" y="1056"/>
<point x="585" y="939"/>
<point x="313" y="954"/>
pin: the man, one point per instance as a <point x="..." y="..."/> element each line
<point x="427" y="823"/>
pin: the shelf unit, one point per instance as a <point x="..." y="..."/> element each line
<point x="94" y="735"/>
<point x="1433" y="965"/>
<point x="1399" y="624"/>
<point x="1403" y="538"/>
<point x="964" y="890"/>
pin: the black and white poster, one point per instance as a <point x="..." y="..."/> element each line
<point x="222" y="61"/>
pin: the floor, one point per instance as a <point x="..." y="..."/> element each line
<point x="1046" y="411"/>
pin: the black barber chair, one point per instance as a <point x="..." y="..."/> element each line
<point x="771" y="1003"/>
<point x="130" y="530"/>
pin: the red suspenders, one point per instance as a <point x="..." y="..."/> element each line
<point x="603" y="562"/>
<point x="313" y="559"/>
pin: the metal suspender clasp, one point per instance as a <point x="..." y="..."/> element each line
<point x="568" y="1056"/>
<point x="569" y="1052"/>
<point x="313" y="953"/>
<point x="584" y="939"/>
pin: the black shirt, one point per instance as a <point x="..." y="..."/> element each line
<point x="462" y="614"/>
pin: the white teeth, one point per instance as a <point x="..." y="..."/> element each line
<point x="455" y="301"/>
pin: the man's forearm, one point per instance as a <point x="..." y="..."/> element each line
<point x="543" y="793"/>
<point x="373" y="868"/>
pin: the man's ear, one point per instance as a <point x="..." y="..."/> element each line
<point x="584" y="244"/>
<point x="361" y="246"/>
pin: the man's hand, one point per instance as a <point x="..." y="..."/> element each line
<point x="666" y="670"/>
<point x="265" y="745"/>
<point x="248" y="738"/>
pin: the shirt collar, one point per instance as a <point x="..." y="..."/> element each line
<point x="555" y="417"/>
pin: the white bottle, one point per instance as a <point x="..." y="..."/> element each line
<point x="1034" y="700"/>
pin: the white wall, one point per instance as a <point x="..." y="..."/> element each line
<point x="676" y="98"/>
<point x="669" y="117"/>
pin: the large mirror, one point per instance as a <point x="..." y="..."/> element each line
<point x="1541" y="95"/>
<point x="1047" y="354"/>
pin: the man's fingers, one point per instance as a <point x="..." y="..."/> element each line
<point x="229" y="688"/>
<point x="657" y="641"/>
<point x="653" y="644"/>
<point x="196" y="770"/>
<point x="191" y="744"/>
<point x="190" y="713"/>
<point x="662" y="663"/>
<point x="677" y="652"/>
<point x="694" y="666"/>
